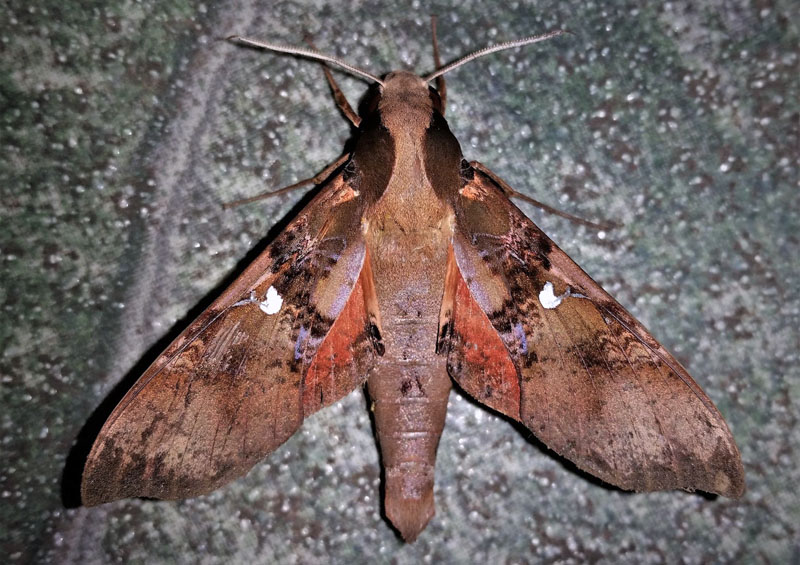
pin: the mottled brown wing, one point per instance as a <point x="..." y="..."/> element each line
<point x="534" y="337"/>
<point x="288" y="337"/>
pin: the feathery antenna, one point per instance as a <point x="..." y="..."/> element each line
<point x="493" y="49"/>
<point x="314" y="54"/>
<point x="303" y="52"/>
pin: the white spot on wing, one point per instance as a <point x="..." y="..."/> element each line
<point x="272" y="302"/>
<point x="548" y="298"/>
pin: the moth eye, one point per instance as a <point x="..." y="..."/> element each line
<point x="436" y="100"/>
<point x="349" y="170"/>
<point x="466" y="172"/>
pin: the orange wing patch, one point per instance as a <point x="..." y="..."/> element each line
<point x="330" y="376"/>
<point x="478" y="360"/>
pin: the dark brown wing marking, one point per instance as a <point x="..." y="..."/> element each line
<point x="239" y="381"/>
<point x="594" y="385"/>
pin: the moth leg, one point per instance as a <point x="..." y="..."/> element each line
<point x="338" y="95"/>
<point x="511" y="193"/>
<point x="341" y="100"/>
<point x="316" y="179"/>
<point x="441" y="86"/>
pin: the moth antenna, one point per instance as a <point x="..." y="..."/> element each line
<point x="492" y="49"/>
<point x="303" y="52"/>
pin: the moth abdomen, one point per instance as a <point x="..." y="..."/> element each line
<point x="410" y="403"/>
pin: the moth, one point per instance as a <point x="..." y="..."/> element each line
<point x="411" y="270"/>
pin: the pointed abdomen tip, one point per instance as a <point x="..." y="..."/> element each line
<point x="410" y="515"/>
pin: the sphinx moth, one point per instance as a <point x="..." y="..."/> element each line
<point x="411" y="270"/>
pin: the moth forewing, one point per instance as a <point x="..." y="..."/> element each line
<point x="235" y="384"/>
<point x="595" y="385"/>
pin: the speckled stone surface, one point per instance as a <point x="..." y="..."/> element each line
<point x="125" y="125"/>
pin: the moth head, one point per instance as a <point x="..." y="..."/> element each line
<point x="403" y="85"/>
<point x="402" y="81"/>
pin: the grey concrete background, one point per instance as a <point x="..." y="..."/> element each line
<point x="126" y="124"/>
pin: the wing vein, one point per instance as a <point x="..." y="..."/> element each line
<point x="658" y="354"/>
<point x="650" y="399"/>
<point x="613" y="376"/>
<point x="582" y="360"/>
<point x="561" y="359"/>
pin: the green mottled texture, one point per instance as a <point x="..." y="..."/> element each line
<point x="125" y="125"/>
